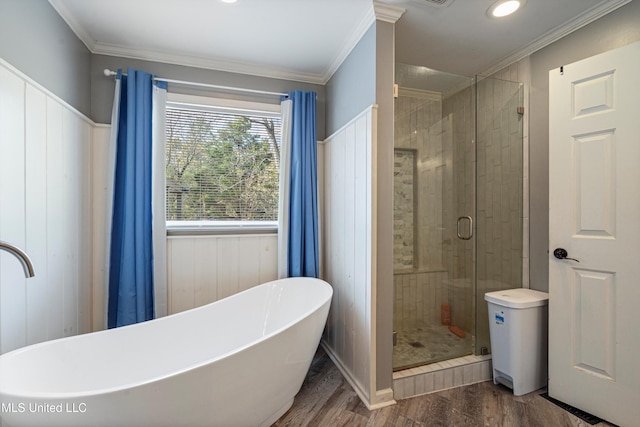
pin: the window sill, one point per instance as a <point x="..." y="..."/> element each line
<point x="214" y="228"/>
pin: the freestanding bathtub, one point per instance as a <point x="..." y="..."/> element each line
<point x="236" y="362"/>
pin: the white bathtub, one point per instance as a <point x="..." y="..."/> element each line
<point x="236" y="362"/>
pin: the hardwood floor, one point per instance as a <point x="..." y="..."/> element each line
<point x="326" y="399"/>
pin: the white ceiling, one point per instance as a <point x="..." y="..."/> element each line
<point x="306" y="40"/>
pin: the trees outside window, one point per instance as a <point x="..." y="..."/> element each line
<point x="221" y="166"/>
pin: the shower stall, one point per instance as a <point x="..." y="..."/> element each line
<point x="458" y="210"/>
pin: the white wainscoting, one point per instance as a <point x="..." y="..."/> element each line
<point x="45" y="209"/>
<point x="349" y="250"/>
<point x="204" y="269"/>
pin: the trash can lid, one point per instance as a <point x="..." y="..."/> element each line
<point x="518" y="298"/>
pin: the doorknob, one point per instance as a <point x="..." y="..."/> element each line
<point x="563" y="254"/>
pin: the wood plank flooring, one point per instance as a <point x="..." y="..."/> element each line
<point x="326" y="399"/>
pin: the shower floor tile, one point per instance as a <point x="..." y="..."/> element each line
<point x="428" y="344"/>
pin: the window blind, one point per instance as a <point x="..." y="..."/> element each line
<point x="221" y="166"/>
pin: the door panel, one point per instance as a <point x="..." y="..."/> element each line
<point x="594" y="199"/>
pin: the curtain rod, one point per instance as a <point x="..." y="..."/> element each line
<point x="110" y="73"/>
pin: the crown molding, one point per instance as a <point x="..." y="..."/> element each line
<point x="570" y="26"/>
<point x="360" y="30"/>
<point x="377" y="11"/>
<point x="225" y="65"/>
<point x="63" y="11"/>
<point x="387" y="13"/>
<point x="206" y="63"/>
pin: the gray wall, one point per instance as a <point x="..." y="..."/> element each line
<point x="352" y="88"/>
<point x="102" y="87"/>
<point x="616" y="29"/>
<point x="385" y="78"/>
<point x="37" y="41"/>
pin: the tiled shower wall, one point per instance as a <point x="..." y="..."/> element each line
<point x="458" y="109"/>
<point x="404" y="186"/>
<point x="418" y="283"/>
<point x="442" y="264"/>
<point x="441" y="131"/>
<point x="419" y="128"/>
<point x="417" y="298"/>
<point x="521" y="72"/>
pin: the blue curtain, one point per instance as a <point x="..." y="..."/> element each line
<point x="303" y="257"/>
<point x="131" y="249"/>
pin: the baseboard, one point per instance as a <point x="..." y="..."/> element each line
<point x="362" y="394"/>
<point x="382" y="397"/>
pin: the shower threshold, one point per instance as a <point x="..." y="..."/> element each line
<point x="441" y="375"/>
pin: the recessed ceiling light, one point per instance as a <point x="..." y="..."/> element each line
<point x="504" y="7"/>
<point x="228" y="1"/>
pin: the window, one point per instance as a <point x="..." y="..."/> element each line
<point x="222" y="165"/>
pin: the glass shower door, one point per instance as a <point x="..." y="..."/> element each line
<point x="433" y="203"/>
<point x="499" y="213"/>
<point x="458" y="210"/>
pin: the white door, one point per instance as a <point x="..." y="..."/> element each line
<point x="594" y="214"/>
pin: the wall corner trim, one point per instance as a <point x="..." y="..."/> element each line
<point x="387" y="13"/>
<point x="383" y="398"/>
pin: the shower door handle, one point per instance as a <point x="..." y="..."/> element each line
<point x="470" y="221"/>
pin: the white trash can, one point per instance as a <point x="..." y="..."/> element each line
<point x="518" y="321"/>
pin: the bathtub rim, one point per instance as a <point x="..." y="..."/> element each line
<point x="81" y="394"/>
